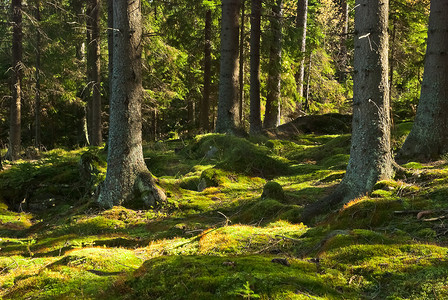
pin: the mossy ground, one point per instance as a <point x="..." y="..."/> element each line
<point x="218" y="237"/>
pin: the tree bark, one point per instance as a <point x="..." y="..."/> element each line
<point x="16" y="104"/>
<point x="370" y="153"/>
<point x="301" y="21"/>
<point x="227" y="120"/>
<point x="241" y="70"/>
<point x="272" y="113"/>
<point x="344" y="55"/>
<point x="255" y="36"/>
<point x="128" y="181"/>
<point x="94" y="72"/>
<point x="428" y="138"/>
<point x="205" y="105"/>
<point x="37" y="103"/>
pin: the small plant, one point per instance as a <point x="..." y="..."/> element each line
<point x="246" y="292"/>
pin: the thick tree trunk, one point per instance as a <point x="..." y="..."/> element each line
<point x="128" y="181"/>
<point x="227" y="120"/>
<point x="301" y="21"/>
<point x="205" y="105"/>
<point x="428" y="138"/>
<point x="255" y="36"/>
<point x="37" y="103"/>
<point x="370" y="153"/>
<point x="93" y="71"/>
<point x="16" y="104"/>
<point x="272" y="114"/>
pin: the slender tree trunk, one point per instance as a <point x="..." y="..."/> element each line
<point x="37" y="104"/>
<point x="15" y="110"/>
<point x="128" y="181"/>
<point x="344" y="55"/>
<point x="272" y="114"/>
<point x="255" y="36"/>
<point x="94" y="72"/>
<point x="301" y="21"/>
<point x="428" y="138"/>
<point x="205" y="105"/>
<point x="306" y="106"/>
<point x="227" y="120"/>
<point x="241" y="70"/>
<point x="370" y="153"/>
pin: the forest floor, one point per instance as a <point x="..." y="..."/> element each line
<point x="231" y="228"/>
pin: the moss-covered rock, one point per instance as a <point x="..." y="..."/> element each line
<point x="273" y="190"/>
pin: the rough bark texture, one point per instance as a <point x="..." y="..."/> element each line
<point x="205" y="105"/>
<point x="272" y="114"/>
<point x="255" y="36"/>
<point x="428" y="138"/>
<point x="16" y="101"/>
<point x="128" y="180"/>
<point x="227" y="120"/>
<point x="94" y="72"/>
<point x="37" y="103"/>
<point x="370" y="155"/>
<point x="302" y="14"/>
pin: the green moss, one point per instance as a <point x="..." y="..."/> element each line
<point x="208" y="277"/>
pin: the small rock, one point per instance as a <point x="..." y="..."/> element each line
<point x="282" y="261"/>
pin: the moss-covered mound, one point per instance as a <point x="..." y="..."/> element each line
<point x="236" y="154"/>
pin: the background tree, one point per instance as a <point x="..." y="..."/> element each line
<point x="301" y="21"/>
<point x="255" y="36"/>
<point x="16" y="72"/>
<point x="127" y="178"/>
<point x="205" y="104"/>
<point x="94" y="71"/>
<point x="370" y="153"/>
<point x="428" y="138"/>
<point x="227" y="120"/>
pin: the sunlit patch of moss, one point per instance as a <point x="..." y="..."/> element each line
<point x="208" y="277"/>
<point x="365" y="213"/>
<point x="243" y="239"/>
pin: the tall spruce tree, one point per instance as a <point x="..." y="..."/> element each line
<point x="128" y="180"/>
<point x="370" y="153"/>
<point x="227" y="120"/>
<point x="428" y="138"/>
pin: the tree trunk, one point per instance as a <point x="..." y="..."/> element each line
<point x="128" y="181"/>
<point x="205" y="105"/>
<point x="37" y="104"/>
<point x="370" y="154"/>
<point x="15" y="113"/>
<point x="255" y="36"/>
<point x="241" y="70"/>
<point x="428" y="138"/>
<point x="93" y="71"/>
<point x="227" y="120"/>
<point x="272" y="114"/>
<point x="343" y="54"/>
<point x="301" y="21"/>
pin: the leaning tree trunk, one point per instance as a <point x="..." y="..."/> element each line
<point x="16" y="101"/>
<point x="128" y="181"/>
<point x="255" y="36"/>
<point x="301" y="21"/>
<point x="227" y="120"/>
<point x="205" y="104"/>
<point x="272" y="114"/>
<point x="428" y="138"/>
<point x="370" y="153"/>
<point x="93" y="71"/>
